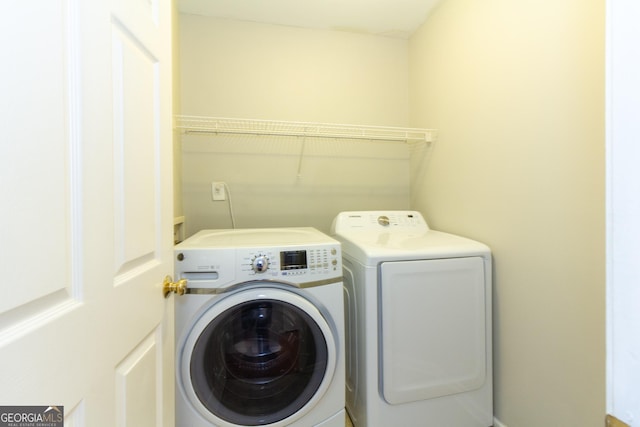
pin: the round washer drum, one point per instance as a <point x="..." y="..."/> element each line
<point x="262" y="354"/>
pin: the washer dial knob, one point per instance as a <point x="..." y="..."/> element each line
<point x="260" y="264"/>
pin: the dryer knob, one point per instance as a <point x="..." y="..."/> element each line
<point x="260" y="264"/>
<point x="383" y="220"/>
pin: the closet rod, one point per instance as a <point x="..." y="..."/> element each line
<point x="217" y="125"/>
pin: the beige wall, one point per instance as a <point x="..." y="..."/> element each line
<point x="516" y="89"/>
<point x="257" y="71"/>
<point x="260" y="71"/>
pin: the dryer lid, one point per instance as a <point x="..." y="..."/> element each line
<point x="366" y="237"/>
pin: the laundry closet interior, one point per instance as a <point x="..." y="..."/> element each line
<point x="509" y="99"/>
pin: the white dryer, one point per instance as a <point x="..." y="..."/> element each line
<point x="418" y="323"/>
<point x="260" y="329"/>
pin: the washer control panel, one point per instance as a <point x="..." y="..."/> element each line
<point x="291" y="262"/>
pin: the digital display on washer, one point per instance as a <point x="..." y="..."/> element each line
<point x="293" y="260"/>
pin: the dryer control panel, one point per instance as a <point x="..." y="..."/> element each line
<point x="379" y="220"/>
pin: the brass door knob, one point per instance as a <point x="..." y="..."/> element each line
<point x="169" y="286"/>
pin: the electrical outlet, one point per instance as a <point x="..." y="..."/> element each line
<point x="218" y="191"/>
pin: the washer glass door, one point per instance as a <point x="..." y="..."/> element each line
<point x="259" y="357"/>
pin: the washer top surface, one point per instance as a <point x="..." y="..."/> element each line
<point x="375" y="236"/>
<point x="255" y="237"/>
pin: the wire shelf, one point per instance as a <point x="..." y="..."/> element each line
<point x="219" y="125"/>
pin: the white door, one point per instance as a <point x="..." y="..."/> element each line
<point x="86" y="206"/>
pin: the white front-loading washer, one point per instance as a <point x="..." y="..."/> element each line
<point x="418" y="322"/>
<point x="260" y="329"/>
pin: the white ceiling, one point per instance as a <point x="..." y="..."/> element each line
<point x="392" y="18"/>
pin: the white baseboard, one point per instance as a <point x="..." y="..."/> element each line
<point x="497" y="423"/>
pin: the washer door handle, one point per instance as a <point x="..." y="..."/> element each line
<point x="169" y="286"/>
